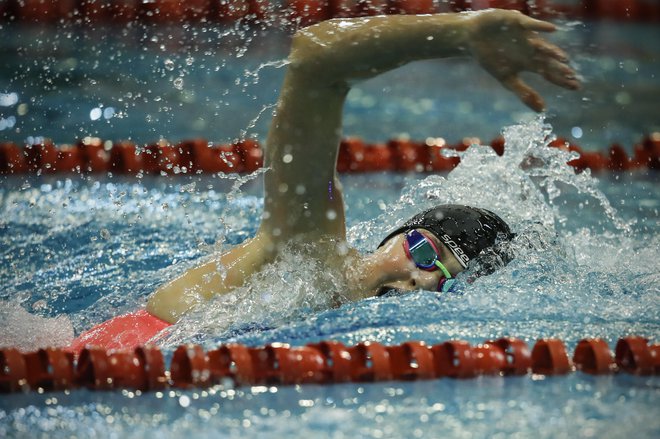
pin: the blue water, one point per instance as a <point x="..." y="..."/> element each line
<point x="142" y="82"/>
<point x="75" y="250"/>
<point x="92" y="248"/>
<point x="577" y="406"/>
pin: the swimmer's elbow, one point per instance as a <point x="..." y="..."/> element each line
<point x="304" y="53"/>
<point x="311" y="54"/>
<point x="159" y="305"/>
<point x="154" y="306"/>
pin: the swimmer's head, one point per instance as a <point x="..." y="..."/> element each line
<point x="467" y="231"/>
<point x="464" y="235"/>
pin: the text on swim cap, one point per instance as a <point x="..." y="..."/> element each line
<point x="455" y="249"/>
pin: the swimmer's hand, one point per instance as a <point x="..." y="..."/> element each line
<point x="507" y="42"/>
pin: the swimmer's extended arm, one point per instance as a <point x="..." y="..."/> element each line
<point x="302" y="194"/>
<point x="504" y="42"/>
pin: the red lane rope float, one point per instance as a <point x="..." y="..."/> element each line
<point x="94" y="156"/>
<point x="304" y="12"/>
<point x="50" y="369"/>
<point x="549" y="358"/>
<point x="199" y="156"/>
<point x="593" y="356"/>
<point x="634" y="356"/>
<point x="143" y="368"/>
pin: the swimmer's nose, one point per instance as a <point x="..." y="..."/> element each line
<point x="426" y="280"/>
<point x="416" y="279"/>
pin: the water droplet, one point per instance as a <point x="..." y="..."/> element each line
<point x="184" y="401"/>
<point x="95" y="114"/>
<point x="576" y="132"/>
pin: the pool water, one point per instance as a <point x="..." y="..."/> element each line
<point x="93" y="248"/>
<point x="77" y="250"/>
<point x="144" y="82"/>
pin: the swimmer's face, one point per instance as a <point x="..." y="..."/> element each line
<point x="401" y="273"/>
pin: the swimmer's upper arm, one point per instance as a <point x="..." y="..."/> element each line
<point x="341" y="50"/>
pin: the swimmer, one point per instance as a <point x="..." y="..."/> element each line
<point x="303" y="205"/>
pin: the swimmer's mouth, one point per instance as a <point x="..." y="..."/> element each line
<point x="390" y="291"/>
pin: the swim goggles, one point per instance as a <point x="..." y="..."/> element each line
<point x="423" y="252"/>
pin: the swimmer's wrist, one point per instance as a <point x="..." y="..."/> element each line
<point x="473" y="31"/>
<point x="448" y="34"/>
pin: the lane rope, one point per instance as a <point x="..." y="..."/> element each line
<point x="325" y="362"/>
<point x="304" y="12"/>
<point x="198" y="156"/>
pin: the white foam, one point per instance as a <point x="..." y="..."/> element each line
<point x="284" y="290"/>
<point x="29" y="332"/>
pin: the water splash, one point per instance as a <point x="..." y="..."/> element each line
<point x="286" y="290"/>
<point x="254" y="74"/>
<point x="244" y="132"/>
<point x="28" y="332"/>
<point x="572" y="269"/>
<point x="523" y="186"/>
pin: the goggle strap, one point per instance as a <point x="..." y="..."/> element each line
<point x="443" y="269"/>
<point x="448" y="285"/>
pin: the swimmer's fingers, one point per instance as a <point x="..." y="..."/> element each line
<point x="535" y="25"/>
<point x="560" y="74"/>
<point x="552" y="63"/>
<point x="543" y="48"/>
<point x="525" y="93"/>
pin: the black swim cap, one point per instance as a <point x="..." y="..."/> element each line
<point x="465" y="230"/>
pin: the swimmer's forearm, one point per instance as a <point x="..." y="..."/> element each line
<point x="218" y="276"/>
<point x="346" y="49"/>
<point x="197" y="285"/>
